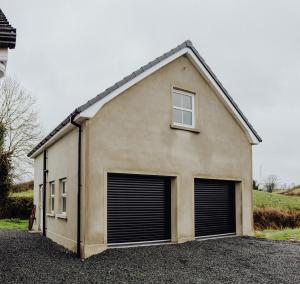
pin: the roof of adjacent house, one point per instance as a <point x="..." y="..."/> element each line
<point x="133" y="75"/>
<point x="7" y="33"/>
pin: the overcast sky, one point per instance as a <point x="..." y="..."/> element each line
<point x="69" y="51"/>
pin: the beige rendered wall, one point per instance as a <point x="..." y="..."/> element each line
<point x="62" y="163"/>
<point x="132" y="134"/>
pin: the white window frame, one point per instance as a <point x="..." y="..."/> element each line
<point x="52" y="197"/>
<point x="63" y="182"/>
<point x="184" y="109"/>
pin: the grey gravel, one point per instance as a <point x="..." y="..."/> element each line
<point x="31" y="258"/>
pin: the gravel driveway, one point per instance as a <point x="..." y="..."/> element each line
<point x="30" y="258"/>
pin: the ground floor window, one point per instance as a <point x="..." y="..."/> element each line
<point x="52" y="197"/>
<point x="63" y="188"/>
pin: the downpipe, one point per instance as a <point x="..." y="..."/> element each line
<point x="44" y="190"/>
<point x="78" y="187"/>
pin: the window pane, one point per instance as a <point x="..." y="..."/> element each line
<point x="52" y="189"/>
<point x="187" y="101"/>
<point x="187" y="117"/>
<point x="52" y="204"/>
<point x="63" y="187"/>
<point x="64" y="204"/>
<point x="177" y="100"/>
<point x="177" y="115"/>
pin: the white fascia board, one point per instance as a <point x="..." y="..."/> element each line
<point x="92" y="110"/>
<point x="253" y="139"/>
<point x="67" y="128"/>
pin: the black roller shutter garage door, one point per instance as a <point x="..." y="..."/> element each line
<point x="214" y="207"/>
<point x="138" y="208"/>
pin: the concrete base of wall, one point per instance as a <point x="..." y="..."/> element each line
<point x="183" y="240"/>
<point x="86" y="250"/>
<point x="89" y="250"/>
<point x="63" y="241"/>
<point x="250" y="234"/>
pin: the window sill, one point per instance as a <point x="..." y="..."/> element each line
<point x="174" y="126"/>
<point x="50" y="214"/>
<point x="62" y="216"/>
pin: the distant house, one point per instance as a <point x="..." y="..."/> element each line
<point x="164" y="155"/>
<point x="7" y="40"/>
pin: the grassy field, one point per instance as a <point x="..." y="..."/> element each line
<point x="28" y="193"/>
<point x="275" y="200"/>
<point x="286" y="234"/>
<point x="280" y="203"/>
<point x="13" y="224"/>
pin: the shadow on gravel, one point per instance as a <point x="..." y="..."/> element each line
<point x="32" y="258"/>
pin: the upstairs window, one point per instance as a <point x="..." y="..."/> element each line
<point x="183" y="108"/>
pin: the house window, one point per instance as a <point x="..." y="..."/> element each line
<point x="63" y="186"/>
<point x="52" y="196"/>
<point x="183" y="108"/>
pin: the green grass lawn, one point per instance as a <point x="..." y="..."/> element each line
<point x="275" y="200"/>
<point x="285" y="234"/>
<point x="28" y="193"/>
<point x="13" y="224"/>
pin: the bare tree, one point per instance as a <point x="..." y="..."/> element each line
<point x="271" y="183"/>
<point x="18" y="116"/>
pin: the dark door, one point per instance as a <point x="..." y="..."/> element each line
<point x="138" y="208"/>
<point x="214" y="207"/>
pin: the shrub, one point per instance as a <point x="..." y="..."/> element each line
<point x="5" y="170"/>
<point x="18" y="207"/>
<point x="271" y="218"/>
<point x="5" y="178"/>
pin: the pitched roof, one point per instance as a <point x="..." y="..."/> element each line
<point x="133" y="75"/>
<point x="7" y="33"/>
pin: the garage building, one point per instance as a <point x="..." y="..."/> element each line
<point x="162" y="156"/>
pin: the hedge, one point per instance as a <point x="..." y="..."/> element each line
<point x="18" y="207"/>
<point x="273" y="218"/>
<point x="24" y="186"/>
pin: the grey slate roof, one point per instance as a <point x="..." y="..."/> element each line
<point x="186" y="44"/>
<point x="7" y="33"/>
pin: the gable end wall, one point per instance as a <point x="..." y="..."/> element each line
<point x="132" y="134"/>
